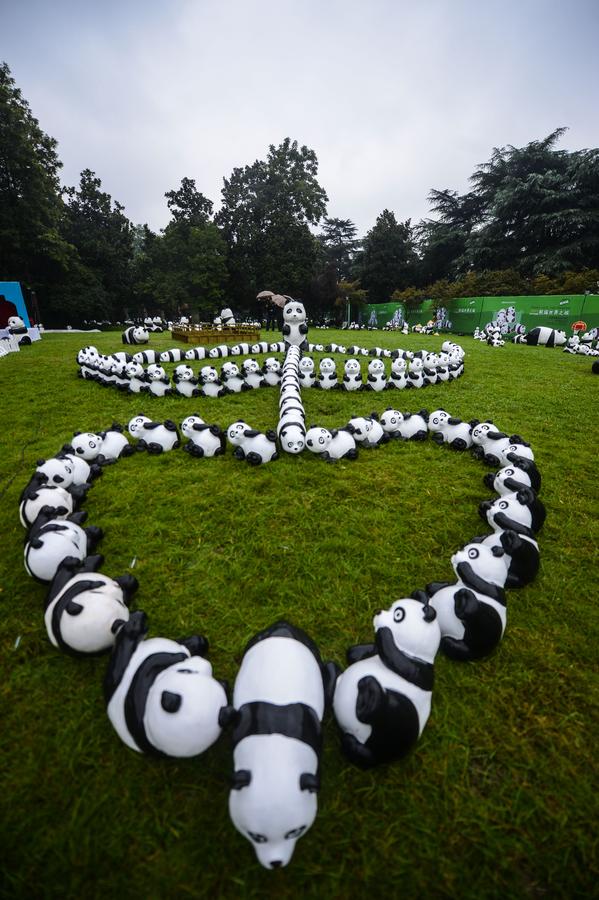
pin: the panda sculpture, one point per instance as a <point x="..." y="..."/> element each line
<point x="260" y="347"/>
<point x="295" y="328"/>
<point x="161" y="696"/>
<point x="195" y="353"/>
<point x="376" y="379"/>
<point x="37" y="495"/>
<point x="252" y="375"/>
<point x="186" y="384"/>
<point x="492" y="446"/>
<point x="511" y="478"/>
<point x="52" y="540"/>
<point x="327" y="380"/>
<point x="415" y="374"/>
<point x="398" y="377"/>
<point x="114" y="445"/>
<point x="291" y="435"/>
<point x="413" y="426"/>
<point x="279" y="699"/>
<point x="271" y="370"/>
<point x="138" y="380"/>
<point x="203" y="440"/>
<point x="174" y="355"/>
<point x="231" y="378"/>
<point x="16" y="325"/>
<point x="211" y="383"/>
<point x="367" y="431"/>
<point x="146" y="357"/>
<point x="155" y="437"/>
<point x="382" y="700"/>
<point x="159" y="382"/>
<point x="332" y="445"/>
<point x="251" y="445"/>
<point x="545" y="337"/>
<point x="352" y="376"/>
<point x="446" y="429"/>
<point x="307" y="378"/>
<point x="136" y="334"/>
<point x="523" y="513"/>
<point x="84" y="608"/>
<point x="472" y="611"/>
<point x="219" y="352"/>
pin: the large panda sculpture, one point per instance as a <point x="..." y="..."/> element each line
<point x="84" y="608"/>
<point x="383" y="699"/>
<point x="279" y="699"/>
<point x="136" y="334"/>
<point x="160" y="694"/>
<point x="294" y="325"/>
<point x="545" y="337"/>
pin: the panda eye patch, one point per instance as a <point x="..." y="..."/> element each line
<point x="295" y="833"/>
<point x="399" y="614"/>
<point x="185" y="671"/>
<point x="257" y="838"/>
<point x="503" y="504"/>
<point x="473" y="554"/>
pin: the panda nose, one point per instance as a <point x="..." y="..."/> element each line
<point x="276" y="863"/>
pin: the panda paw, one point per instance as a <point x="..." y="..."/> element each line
<point x="197" y="644"/>
<point x="465" y="604"/>
<point x="371" y="698"/>
<point x="356" y="752"/>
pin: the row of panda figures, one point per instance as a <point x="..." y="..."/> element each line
<point x="161" y="695"/>
<point x="542" y="336"/>
<point x="127" y="373"/>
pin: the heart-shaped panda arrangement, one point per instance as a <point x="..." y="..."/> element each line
<point x="161" y="695"/>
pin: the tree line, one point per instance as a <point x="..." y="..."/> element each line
<point x="529" y="224"/>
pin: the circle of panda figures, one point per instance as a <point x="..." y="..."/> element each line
<point x="161" y="695"/>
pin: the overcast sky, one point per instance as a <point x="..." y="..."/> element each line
<point x="394" y="96"/>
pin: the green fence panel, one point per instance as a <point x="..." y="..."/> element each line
<point x="423" y="313"/>
<point x="463" y="314"/>
<point x="378" y="314"/>
<point x="590" y="311"/>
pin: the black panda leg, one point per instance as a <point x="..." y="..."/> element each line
<point x="125" y="645"/>
<point x="356" y="752"/>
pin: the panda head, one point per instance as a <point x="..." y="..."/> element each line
<point x="520" y="511"/>
<point x="360" y="427"/>
<point x="408" y="626"/>
<point x="438" y="420"/>
<point x="352" y="367"/>
<point x="140" y="335"/>
<point x="416" y="365"/>
<point x="398" y="366"/>
<point x="188" y="423"/>
<point x="318" y="439"/>
<point x="508" y="479"/>
<point x="156" y="373"/>
<point x="183" y="708"/>
<point x="15" y="322"/>
<point x="136" y="425"/>
<point x="478" y="562"/>
<point x="274" y="802"/>
<point x="292" y="438"/>
<point x="294" y="312"/>
<point x="272" y="365"/>
<point x="87" y="621"/>
<point x="87" y="445"/>
<point x="208" y="375"/>
<point x="480" y="432"/>
<point x="250" y="367"/>
<point x="327" y="365"/>
<point x="376" y="367"/>
<point x="229" y="370"/>
<point x="55" y="471"/>
<point x="183" y="373"/>
<point x="390" y="420"/>
<point x="134" y="370"/>
<point x="235" y="432"/>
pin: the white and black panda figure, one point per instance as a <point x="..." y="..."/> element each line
<point x="147" y="357"/>
<point x="138" y="380"/>
<point x="83" y="472"/>
<point x="446" y="429"/>
<point x="16" y="325"/>
<point x="522" y="473"/>
<point x="352" y="376"/>
<point x="260" y="347"/>
<point x="383" y="699"/>
<point x="87" y="445"/>
<point x="523" y="513"/>
<point x="251" y="445"/>
<point x="367" y="431"/>
<point x="414" y="426"/>
<point x="376" y="379"/>
<point x="54" y="471"/>
<point x="443" y="366"/>
<point x="135" y="334"/>
<point x="37" y="495"/>
<point x="493" y="446"/>
<point x="204" y="440"/>
<point x="279" y="697"/>
<point x="114" y="445"/>
<point x="545" y="337"/>
<point x="307" y="377"/>
<point x="239" y="349"/>
<point x="174" y="355"/>
<point x="472" y="611"/>
<point x="195" y="353"/>
<point x="186" y="383"/>
<point x="398" y="377"/>
<point x="84" y="608"/>
<point x="231" y="378"/>
<point x="291" y="435"/>
<point x="250" y="369"/>
<point x="159" y="382"/>
<point x="51" y="540"/>
<point x="415" y="374"/>
<point x="155" y="437"/>
<point x="331" y="445"/>
<point x="271" y="370"/>
<point x="211" y="385"/>
<point x="295" y="328"/>
<point x="161" y="696"/>
<point x="430" y="362"/>
<point x="276" y="347"/>
<point x="221" y="351"/>
<point x="119" y="373"/>
<point x="327" y="379"/>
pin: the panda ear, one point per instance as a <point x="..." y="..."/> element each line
<point x="240" y="779"/>
<point x="498" y="551"/>
<point x="170" y="702"/>
<point x="73" y="608"/>
<point x="309" y="782"/>
<point x="117" y="625"/>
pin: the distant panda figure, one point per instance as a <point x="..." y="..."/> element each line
<point x="327" y="380"/>
<point x="161" y="697"/>
<point x="545" y="337"/>
<point x="415" y="374"/>
<point x="398" y="377"/>
<point x="185" y="381"/>
<point x="307" y="378"/>
<point x="195" y="353"/>
<point x="352" y="377"/>
<point x="294" y="325"/>
<point x="84" y="608"/>
<point x="155" y="437"/>
<point x="146" y="357"/>
<point x="231" y="378"/>
<point x="175" y="355"/>
<point x="279" y="699"/>
<point x="218" y="352"/>
<point x="136" y="334"/>
<point x="271" y="371"/>
<point x="383" y="699"/>
<point x="376" y="379"/>
<point x="260" y="347"/>
<point x="203" y="440"/>
<point x="51" y="540"/>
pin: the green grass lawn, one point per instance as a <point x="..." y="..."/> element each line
<point x="500" y="796"/>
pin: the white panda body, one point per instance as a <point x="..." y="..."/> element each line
<point x="138" y="382"/>
<point x="160" y="385"/>
<point x="35" y="497"/>
<point x="114" y="445"/>
<point x="271" y="371"/>
<point x="185" y="381"/>
<point x="306" y="373"/>
<point x="376" y="379"/>
<point x="51" y="544"/>
<point x="414" y="427"/>
<point x="231" y="378"/>
<point x="156" y="437"/>
<point x="251" y="373"/>
<point x="448" y="430"/>
<point x="251" y="445"/>
<point x="352" y="376"/>
<point x="294" y="325"/>
<point x="211" y="384"/>
<point x="204" y="440"/>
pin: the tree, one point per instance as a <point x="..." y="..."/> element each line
<point x="388" y="259"/>
<point x="339" y="242"/>
<point x="32" y="249"/>
<point x="266" y="212"/>
<point x="188" y="204"/>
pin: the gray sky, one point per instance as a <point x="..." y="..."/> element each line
<point x="395" y="96"/>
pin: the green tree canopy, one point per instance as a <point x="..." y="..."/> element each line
<point x="388" y="259"/>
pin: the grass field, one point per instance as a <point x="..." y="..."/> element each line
<point x="500" y="797"/>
